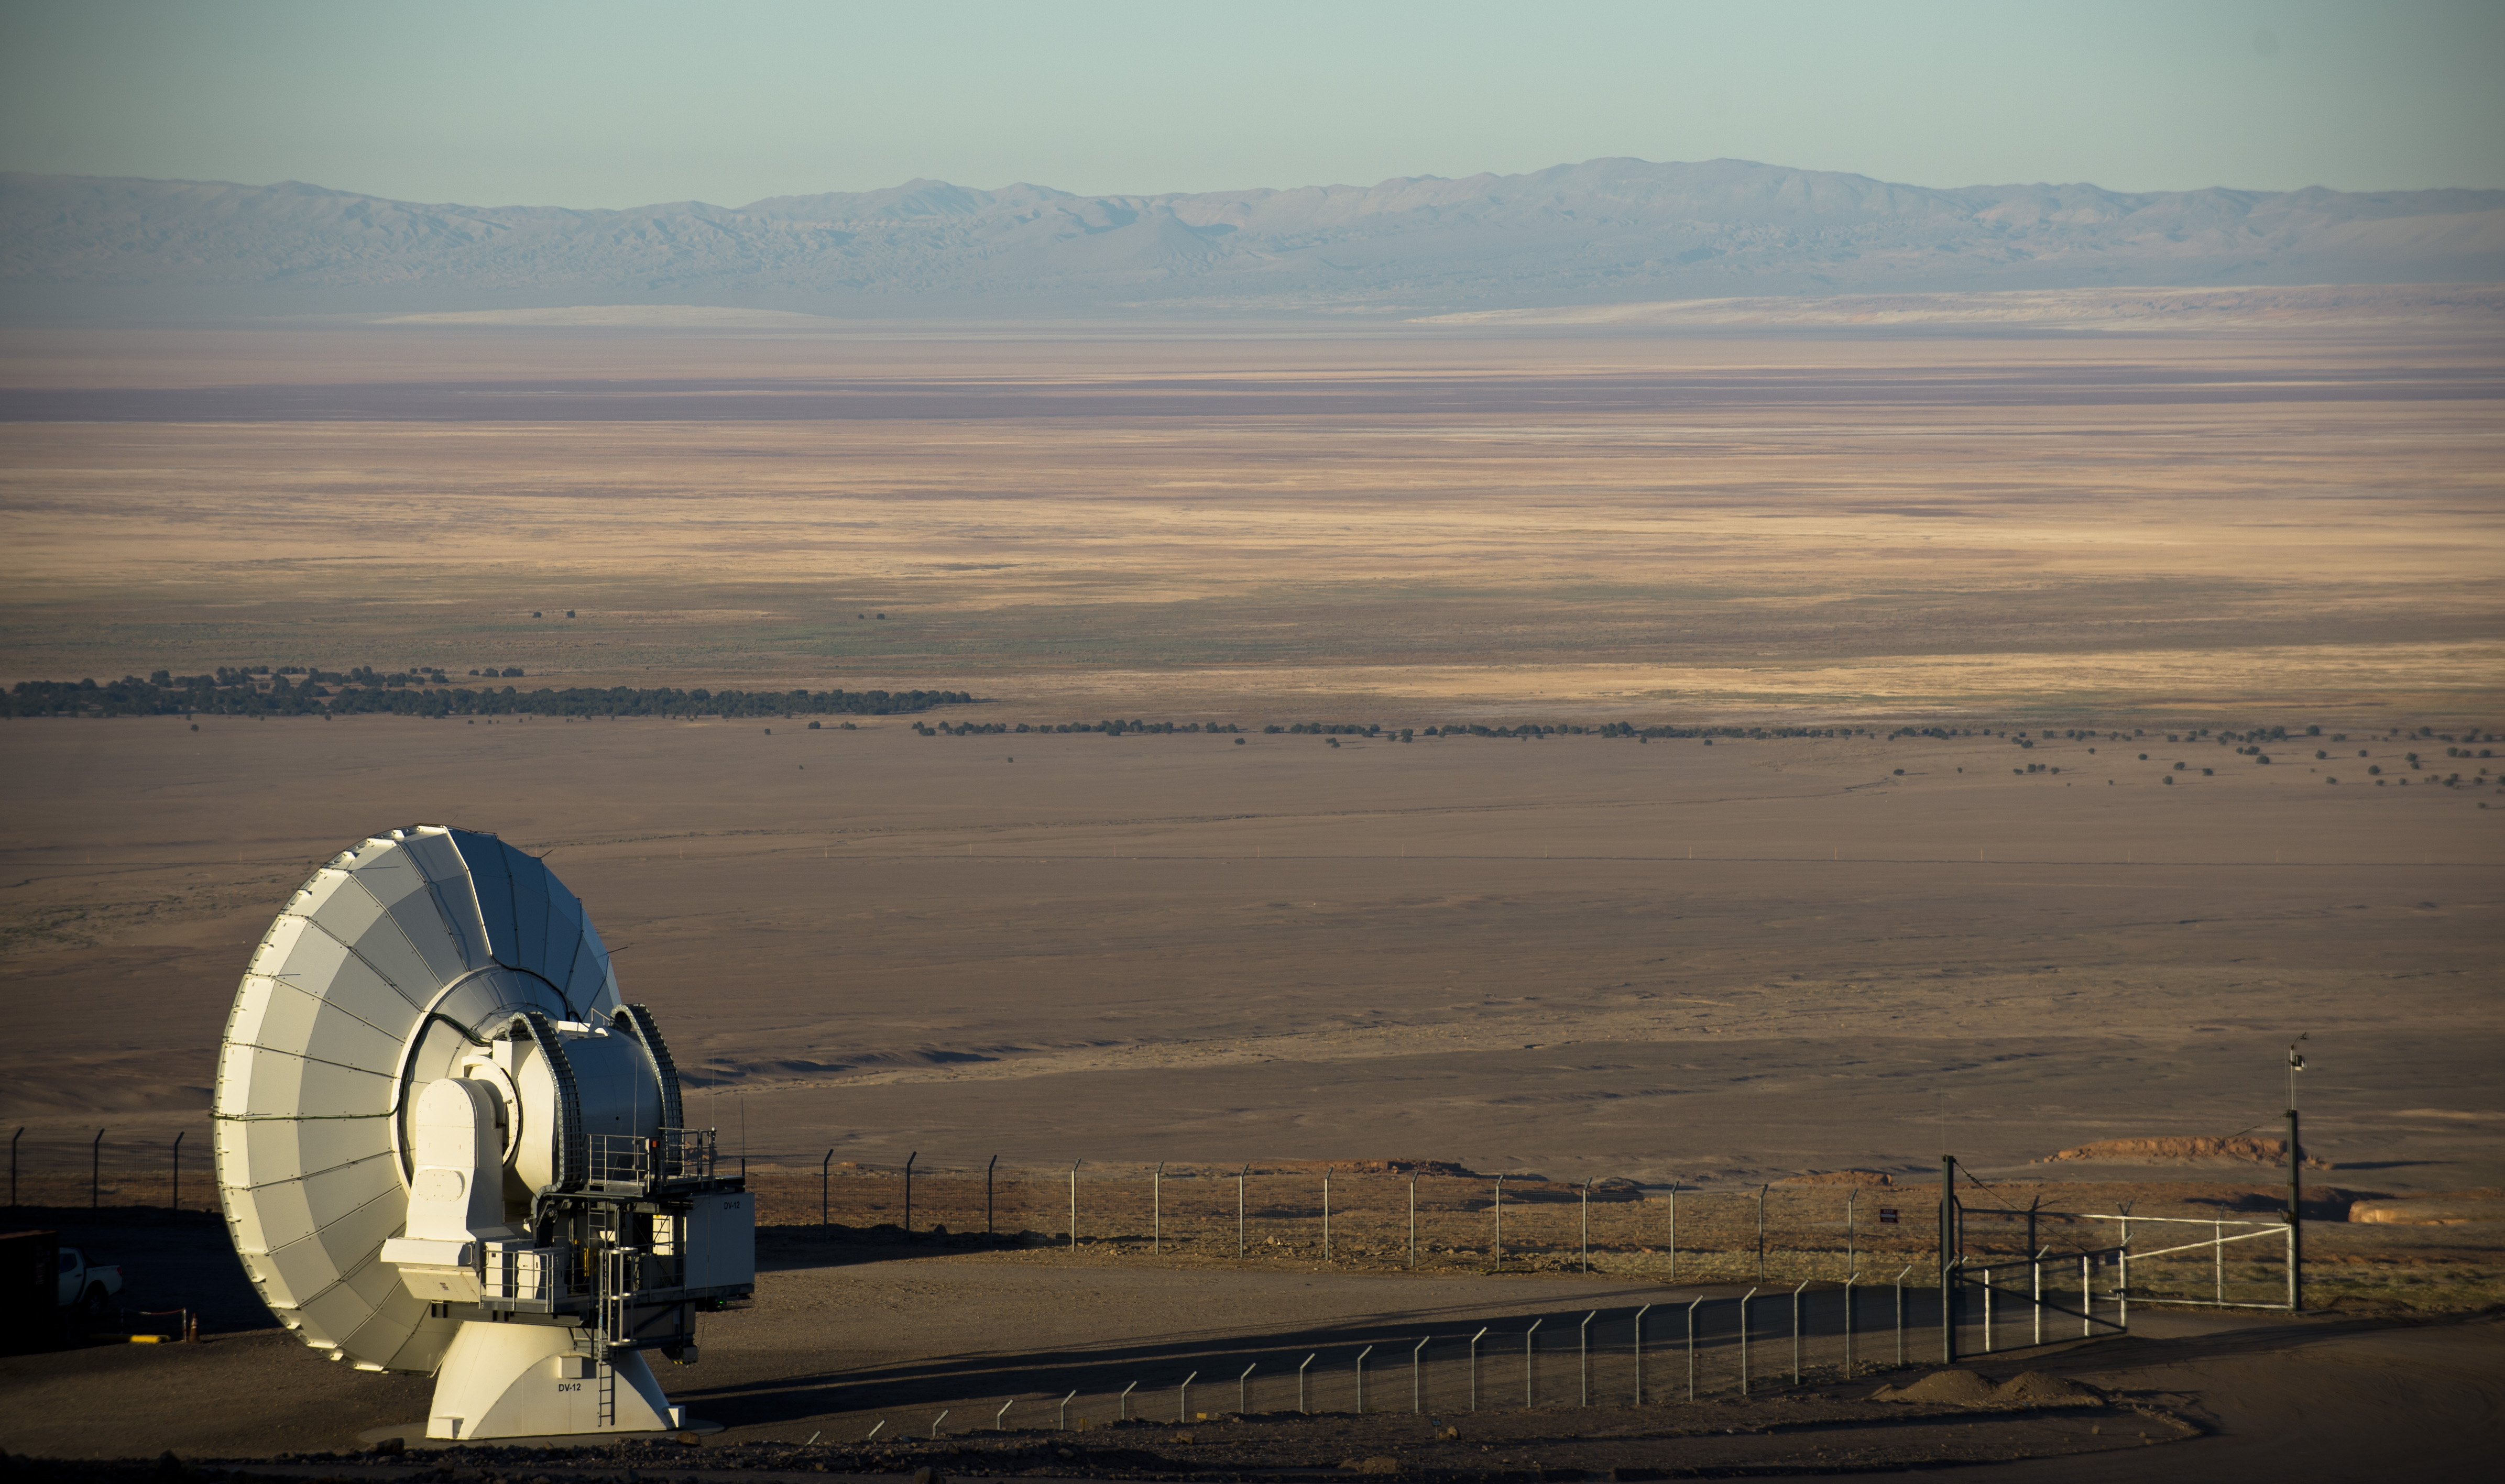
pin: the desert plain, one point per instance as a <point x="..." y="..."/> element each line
<point x="1821" y="944"/>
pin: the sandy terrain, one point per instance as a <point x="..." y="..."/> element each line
<point x="1576" y="956"/>
<point x="1414" y="525"/>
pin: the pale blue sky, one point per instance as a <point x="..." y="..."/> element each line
<point x="621" y="105"/>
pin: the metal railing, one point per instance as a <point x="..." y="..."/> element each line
<point x="2215" y="1244"/>
<point x="646" y="1163"/>
<point x="2062" y="1286"/>
<point x="1713" y="1346"/>
<point x="532" y="1275"/>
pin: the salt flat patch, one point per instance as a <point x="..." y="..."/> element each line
<point x="621" y="317"/>
<point x="2310" y="307"/>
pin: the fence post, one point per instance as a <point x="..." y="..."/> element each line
<point x="1157" y="1213"/>
<point x="825" y="1227"/>
<point x="1948" y="1246"/>
<point x="1124" y="1402"/>
<point x="2295" y="1212"/>
<point x="95" y="1169"/>
<point x="2037" y="1295"/>
<point x="1065" y="1411"/>
<point x="1413" y="1222"/>
<point x="1987" y="1311"/>
<point x="1500" y="1223"/>
<point x="908" y="1193"/>
<point x="999" y="1419"/>
<point x="1239" y="1209"/>
<point x="1587" y="1224"/>
<point x="2122" y="1290"/>
<point x="1640" y="1376"/>
<point x="1240" y="1381"/>
<point x="1848" y="1324"/>
<point x="2086" y="1294"/>
<point x="1183" y="1398"/>
<point x="1583" y="1353"/>
<point x="1691" y="1347"/>
<point x="1327" y="1215"/>
<point x="2122" y="1278"/>
<point x="2217" y="1259"/>
<point x="987" y="1195"/>
<point x="1531" y="1361"/>
<point x="178" y="1168"/>
<point x="1475" y="1366"/>
<point x="1900" y="1314"/>
<point x="1743" y="1340"/>
<point x="1417" y="1382"/>
<point x="1851" y="1265"/>
<point x="1300" y="1381"/>
<point x="12" y="1165"/>
<point x="1360" y="1379"/>
<point x="936" y="1421"/>
<point x="1761" y="1233"/>
<point x="1796" y="1331"/>
<point x="1073" y="1204"/>
<point x="1674" y="1231"/>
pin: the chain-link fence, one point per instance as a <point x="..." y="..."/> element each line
<point x="1380" y="1214"/>
<point x="100" y="1167"/>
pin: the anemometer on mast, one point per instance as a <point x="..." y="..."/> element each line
<point x="444" y="1145"/>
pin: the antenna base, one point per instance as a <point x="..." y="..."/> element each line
<point x="526" y="1380"/>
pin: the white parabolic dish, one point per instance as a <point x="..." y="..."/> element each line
<point x="397" y="955"/>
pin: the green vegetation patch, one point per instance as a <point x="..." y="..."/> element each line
<point x="257" y="690"/>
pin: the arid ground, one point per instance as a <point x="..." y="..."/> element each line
<point x="1577" y="957"/>
<point x="1414" y="525"/>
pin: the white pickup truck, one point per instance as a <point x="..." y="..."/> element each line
<point x="84" y="1286"/>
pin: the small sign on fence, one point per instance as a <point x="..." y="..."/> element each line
<point x="1887" y="1215"/>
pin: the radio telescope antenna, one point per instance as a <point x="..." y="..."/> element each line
<point x="445" y="1146"/>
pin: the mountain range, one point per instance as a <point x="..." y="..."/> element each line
<point x="1606" y="231"/>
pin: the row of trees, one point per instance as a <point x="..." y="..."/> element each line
<point x="262" y="695"/>
<point x="1108" y="728"/>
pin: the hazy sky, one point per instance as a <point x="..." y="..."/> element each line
<point x="620" y="104"/>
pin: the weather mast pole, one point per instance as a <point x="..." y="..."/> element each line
<point x="2295" y="1187"/>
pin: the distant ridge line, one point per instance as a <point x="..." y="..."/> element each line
<point x="1602" y="232"/>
